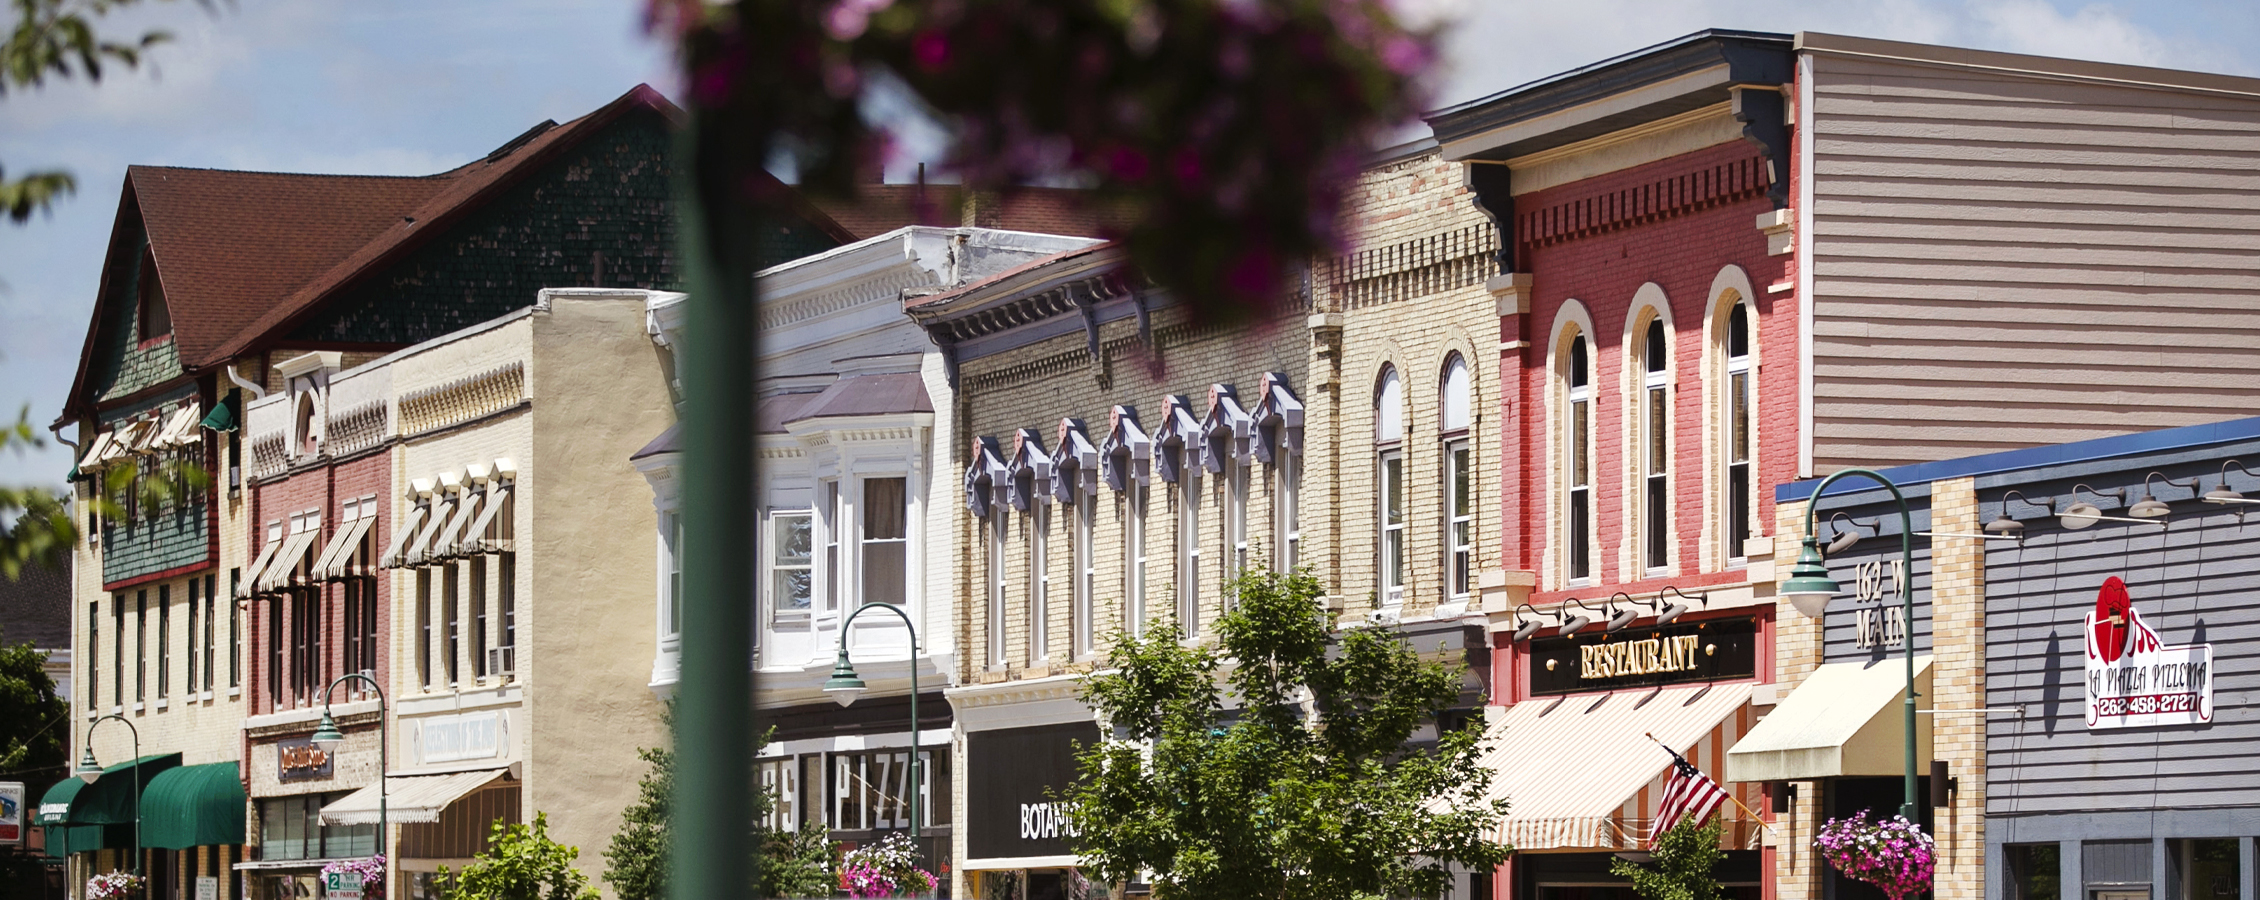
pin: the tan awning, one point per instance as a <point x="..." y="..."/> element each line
<point x="409" y="798"/>
<point x="179" y="428"/>
<point x="1844" y="719"/>
<point x="278" y="572"/>
<point x="401" y="535"/>
<point x="250" y="582"/>
<point x="475" y="540"/>
<point x="1579" y="772"/>
<point x="420" y="551"/>
<point x="341" y="548"/>
<point x="450" y="542"/>
<point x="96" y="452"/>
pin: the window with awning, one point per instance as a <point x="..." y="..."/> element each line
<point x="1844" y="719"/>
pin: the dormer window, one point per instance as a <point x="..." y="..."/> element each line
<point x="155" y="320"/>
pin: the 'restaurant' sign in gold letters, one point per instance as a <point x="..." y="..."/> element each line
<point x="1654" y="656"/>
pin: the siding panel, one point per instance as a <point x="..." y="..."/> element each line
<point x="1993" y="252"/>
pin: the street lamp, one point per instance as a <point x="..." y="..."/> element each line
<point x="1809" y="587"/>
<point x="844" y="687"/>
<point x="328" y="737"/>
<point x="89" y="770"/>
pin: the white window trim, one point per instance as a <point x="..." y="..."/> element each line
<point x="858" y="509"/>
<point x="1457" y="548"/>
<point x="1646" y="430"/>
<point x="1735" y="552"/>
<point x="1189" y="551"/>
<point x="1136" y="571"/>
<point x="1286" y="515"/>
<point x="1574" y="439"/>
<point x="1038" y="529"/>
<point x="997" y="586"/>
<point x="1086" y="572"/>
<point x="1391" y="538"/>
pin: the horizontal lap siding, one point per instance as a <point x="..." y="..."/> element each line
<point x="2193" y="582"/>
<point x="2005" y="262"/>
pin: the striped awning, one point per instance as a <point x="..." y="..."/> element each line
<point x="1579" y="772"/>
<point x="407" y="798"/>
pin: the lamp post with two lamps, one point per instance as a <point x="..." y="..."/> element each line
<point x="88" y="771"/>
<point x="328" y="737"/>
<point x="844" y="687"/>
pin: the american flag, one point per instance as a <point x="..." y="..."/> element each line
<point x="1688" y="794"/>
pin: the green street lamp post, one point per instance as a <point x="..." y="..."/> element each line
<point x="328" y="737"/>
<point x="1810" y="587"/>
<point x="844" y="687"/>
<point x="89" y="770"/>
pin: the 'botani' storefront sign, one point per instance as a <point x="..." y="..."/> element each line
<point x="2133" y="679"/>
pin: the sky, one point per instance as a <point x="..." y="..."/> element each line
<point x="414" y="87"/>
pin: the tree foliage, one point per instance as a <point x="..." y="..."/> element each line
<point x="1227" y="131"/>
<point x="56" y="38"/>
<point x="34" y="728"/>
<point x="791" y="863"/>
<point x="1684" y="865"/>
<point x="1308" y="788"/>
<point x="522" y="862"/>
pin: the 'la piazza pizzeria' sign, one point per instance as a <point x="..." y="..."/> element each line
<point x="2133" y="679"/>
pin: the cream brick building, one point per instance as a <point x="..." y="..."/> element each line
<point x="1123" y="461"/>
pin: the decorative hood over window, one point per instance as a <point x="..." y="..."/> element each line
<point x="986" y="477"/>
<point x="1030" y="470"/>
<point x="1227" y="428"/>
<point x="1278" y="419"/>
<point x="1178" y="440"/>
<point x="1075" y="463"/>
<point x="1127" y="452"/>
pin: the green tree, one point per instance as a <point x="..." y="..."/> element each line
<point x="792" y="863"/>
<point x="33" y="729"/>
<point x="1683" y="866"/>
<point x="56" y="38"/>
<point x="1308" y="789"/>
<point x="521" y="863"/>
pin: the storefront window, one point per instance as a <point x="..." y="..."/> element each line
<point x="2207" y="866"/>
<point x="2035" y="871"/>
<point x="291" y="828"/>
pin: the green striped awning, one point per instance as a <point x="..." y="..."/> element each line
<point x="193" y="806"/>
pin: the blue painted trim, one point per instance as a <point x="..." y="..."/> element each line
<point x="2035" y="457"/>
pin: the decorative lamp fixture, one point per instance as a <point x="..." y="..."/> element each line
<point x="1676" y="608"/>
<point x="2007" y="524"/>
<point x="1576" y="623"/>
<point x="327" y="736"/>
<point x="1526" y="629"/>
<point x="88" y="770"/>
<point x="1809" y="586"/>
<point x="1620" y="618"/>
<point x="2082" y="514"/>
<point x="2150" y="507"/>
<point x="844" y="686"/>
<point x="1848" y="534"/>
<point x="2224" y="493"/>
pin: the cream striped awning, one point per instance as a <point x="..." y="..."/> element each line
<point x="1579" y="772"/>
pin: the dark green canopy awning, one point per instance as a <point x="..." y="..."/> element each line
<point x="55" y="805"/>
<point x="223" y="417"/>
<point x="193" y="806"/>
<point x="63" y="840"/>
<point x="110" y="799"/>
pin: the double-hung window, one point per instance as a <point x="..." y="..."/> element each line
<point x="832" y="507"/>
<point x="885" y="552"/>
<point x="1039" y="525"/>
<point x="1136" y="494"/>
<point x="1734" y="430"/>
<point x="1577" y="457"/>
<point x="1388" y="437"/>
<point x="195" y="637"/>
<point x="1235" y="531"/>
<point x="1459" y="482"/>
<point x="424" y="627"/>
<point x="791" y="559"/>
<point x="1655" y="452"/>
<point x="998" y="526"/>
<point x="1189" y="550"/>
<point x="164" y="641"/>
<point x="1086" y="568"/>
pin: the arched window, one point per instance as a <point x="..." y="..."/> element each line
<point x="1655" y="446"/>
<point x="1737" y="444"/>
<point x="1577" y="459"/>
<point x="1455" y="402"/>
<point x="1388" y="438"/>
<point x="306" y="423"/>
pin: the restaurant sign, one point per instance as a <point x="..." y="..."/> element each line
<point x="300" y="759"/>
<point x="1678" y="653"/>
<point x="2133" y="679"/>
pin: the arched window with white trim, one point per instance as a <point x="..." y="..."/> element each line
<point x="1576" y="473"/>
<point x="1737" y="442"/>
<point x="1388" y="441"/>
<point x="1456" y="404"/>
<point x="1654" y="454"/>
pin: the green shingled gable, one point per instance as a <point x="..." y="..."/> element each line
<point x="121" y="365"/>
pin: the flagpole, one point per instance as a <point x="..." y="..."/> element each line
<point x="1730" y="798"/>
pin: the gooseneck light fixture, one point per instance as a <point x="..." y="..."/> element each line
<point x="845" y="686"/>
<point x="2223" y="493"/>
<point x="2150" y="507"/>
<point x="1620" y="617"/>
<point x="2007" y="525"/>
<point x="1525" y="629"/>
<point x="2082" y="514"/>
<point x="89" y="771"/>
<point x="1848" y="533"/>
<point x="328" y="737"/>
<point x="1576" y="621"/>
<point x="1809" y="588"/>
<point x="1667" y="612"/>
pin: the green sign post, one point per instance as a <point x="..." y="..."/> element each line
<point x="341" y="885"/>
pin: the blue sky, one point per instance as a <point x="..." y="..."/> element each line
<point x="411" y="87"/>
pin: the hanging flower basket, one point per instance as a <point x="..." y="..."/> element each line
<point x="1894" y="854"/>
<point x="114" y="886"/>
<point x="887" y="867"/>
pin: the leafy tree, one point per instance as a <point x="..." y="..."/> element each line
<point x="1308" y="789"/>
<point x="792" y="863"/>
<point x="33" y="731"/>
<point x="56" y="38"/>
<point x="1683" y="868"/>
<point x="521" y="863"/>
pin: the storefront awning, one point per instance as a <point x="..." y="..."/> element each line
<point x="450" y="539"/>
<point x="411" y="798"/>
<point x="402" y="533"/>
<point x="110" y="799"/>
<point x="420" y="552"/>
<point x="55" y="805"/>
<point x="1844" y="719"/>
<point x="1579" y="772"/>
<point x="193" y="806"/>
<point x="335" y="557"/>
<point x="278" y="572"/>
<point x="250" y="582"/>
